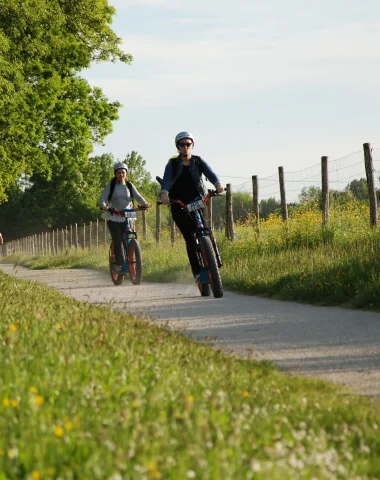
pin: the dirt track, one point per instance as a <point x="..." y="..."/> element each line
<point x="340" y="345"/>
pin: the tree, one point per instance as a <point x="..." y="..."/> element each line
<point x="47" y="112"/>
<point x="242" y="205"/>
<point x="339" y="197"/>
<point x="359" y="188"/>
<point x="33" y="208"/>
<point x="310" y="195"/>
<point x="271" y="205"/>
<point x="139" y="176"/>
<point x="70" y="195"/>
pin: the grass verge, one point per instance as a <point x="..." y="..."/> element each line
<point x="90" y="393"/>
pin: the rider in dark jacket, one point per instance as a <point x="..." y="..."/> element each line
<point x="183" y="181"/>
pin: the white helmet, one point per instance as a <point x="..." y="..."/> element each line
<point x="119" y="166"/>
<point x="183" y="135"/>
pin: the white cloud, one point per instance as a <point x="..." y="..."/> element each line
<point x="228" y="63"/>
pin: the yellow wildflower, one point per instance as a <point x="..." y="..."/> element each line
<point x="6" y="402"/>
<point x="245" y="393"/>
<point x="33" y="389"/>
<point x="58" y="431"/>
<point x="35" y="475"/>
<point x="12" y="327"/>
<point x="152" y="467"/>
<point x="15" y="403"/>
<point x="39" y="400"/>
<point x="68" y="426"/>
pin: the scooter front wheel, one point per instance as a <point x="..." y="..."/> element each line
<point x="211" y="264"/>
<point x="205" y="289"/>
<point x="135" y="266"/>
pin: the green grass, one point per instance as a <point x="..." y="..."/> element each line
<point x="90" y="393"/>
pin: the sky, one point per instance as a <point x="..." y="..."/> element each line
<point x="259" y="84"/>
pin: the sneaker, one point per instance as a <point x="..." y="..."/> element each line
<point x="117" y="268"/>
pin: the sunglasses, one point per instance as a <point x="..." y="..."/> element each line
<point x="184" y="144"/>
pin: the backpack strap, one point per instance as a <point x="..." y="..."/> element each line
<point x="112" y="188"/>
<point x="129" y="185"/>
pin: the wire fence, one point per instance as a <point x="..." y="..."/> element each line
<point x="341" y="172"/>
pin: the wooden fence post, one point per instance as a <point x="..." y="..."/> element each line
<point x="76" y="236"/>
<point x="172" y="230"/>
<point x="325" y="191"/>
<point x="371" y="184"/>
<point x="230" y="229"/>
<point x="84" y="236"/>
<point x="284" y="206"/>
<point x="158" y="223"/>
<point x="256" y="204"/>
<point x="97" y="233"/>
<point x="90" y="235"/>
<point x="211" y="212"/>
<point x="144" y="223"/>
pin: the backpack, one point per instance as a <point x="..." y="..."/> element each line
<point x="112" y="188"/>
<point x="197" y="161"/>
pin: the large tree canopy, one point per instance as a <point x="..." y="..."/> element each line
<point x="49" y="116"/>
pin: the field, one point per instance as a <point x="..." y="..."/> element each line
<point x="90" y="393"/>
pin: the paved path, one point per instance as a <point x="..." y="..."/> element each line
<point x="337" y="344"/>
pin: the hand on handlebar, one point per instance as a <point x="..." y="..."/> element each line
<point x="219" y="188"/>
<point x="165" y="199"/>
